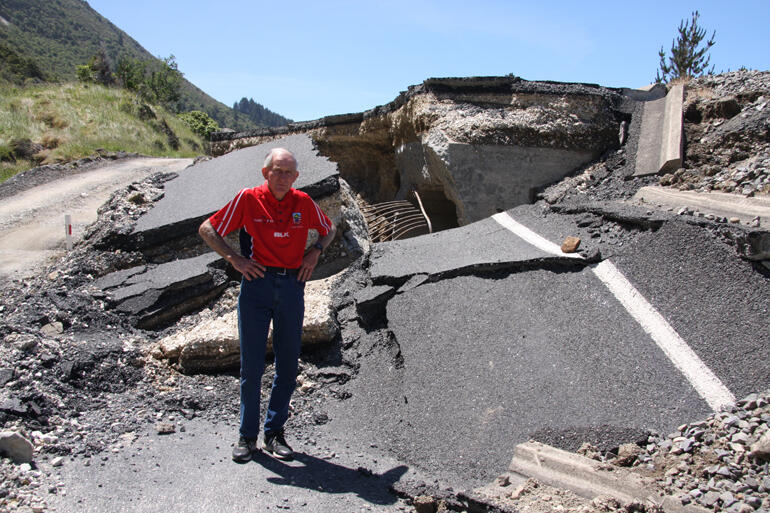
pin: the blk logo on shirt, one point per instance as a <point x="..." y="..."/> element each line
<point x="280" y="235"/>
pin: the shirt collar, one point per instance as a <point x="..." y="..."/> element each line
<point x="265" y="190"/>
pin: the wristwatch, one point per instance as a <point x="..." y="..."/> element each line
<point x="319" y="246"/>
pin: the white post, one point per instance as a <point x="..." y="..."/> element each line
<point x="68" y="231"/>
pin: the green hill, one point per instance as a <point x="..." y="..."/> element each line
<point x="44" y="41"/>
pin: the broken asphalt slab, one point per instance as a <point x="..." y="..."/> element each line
<point x="483" y="244"/>
<point x="204" y="188"/>
<point x="161" y="293"/>
<point x="154" y="295"/>
<point x="465" y="365"/>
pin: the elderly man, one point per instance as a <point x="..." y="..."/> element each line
<point x="275" y="219"/>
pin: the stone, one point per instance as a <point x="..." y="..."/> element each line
<point x="740" y="438"/>
<point x="727" y="499"/>
<point x="570" y="244"/>
<point x="590" y="451"/>
<point x="52" y="328"/>
<point x="165" y="428"/>
<point x="761" y="448"/>
<point x="22" y="341"/>
<point x="57" y="461"/>
<point x="709" y="498"/>
<point x="503" y="480"/>
<point x="6" y="375"/>
<point x="627" y="454"/>
<point x="424" y="504"/>
<point x="214" y="345"/>
<point x="16" y="447"/>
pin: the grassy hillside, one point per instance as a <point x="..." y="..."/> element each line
<point x="49" y="123"/>
<point x="44" y="40"/>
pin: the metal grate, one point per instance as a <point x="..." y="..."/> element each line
<point x="395" y="220"/>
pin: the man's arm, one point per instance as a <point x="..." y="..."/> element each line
<point x="246" y="266"/>
<point x="310" y="260"/>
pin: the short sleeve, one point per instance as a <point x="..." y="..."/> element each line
<point x="231" y="216"/>
<point x="318" y="220"/>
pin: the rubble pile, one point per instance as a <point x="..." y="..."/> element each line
<point x="722" y="462"/>
<point x="727" y="124"/>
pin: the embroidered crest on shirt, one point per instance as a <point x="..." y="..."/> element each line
<point x="297" y="217"/>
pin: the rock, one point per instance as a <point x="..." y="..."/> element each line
<point x="22" y="341"/>
<point x="52" y="328"/>
<point x="16" y="447"/>
<point x="6" y="375"/>
<point x="627" y="454"/>
<point x="740" y="438"/>
<point x="165" y="428"/>
<point x="570" y="244"/>
<point x="727" y="499"/>
<point x="757" y="246"/>
<point x="424" y="504"/>
<point x="214" y="345"/>
<point x="57" y="461"/>
<point x="761" y="448"/>
<point x="709" y="498"/>
<point x="13" y="405"/>
<point x="590" y="451"/>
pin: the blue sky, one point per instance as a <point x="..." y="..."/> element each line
<point x="306" y="60"/>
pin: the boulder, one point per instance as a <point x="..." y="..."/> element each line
<point x="213" y="345"/>
<point x="16" y="447"/>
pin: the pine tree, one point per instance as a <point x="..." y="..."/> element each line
<point x="687" y="60"/>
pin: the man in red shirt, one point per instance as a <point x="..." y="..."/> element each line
<point x="275" y="219"/>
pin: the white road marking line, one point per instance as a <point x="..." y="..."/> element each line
<point x="705" y="382"/>
<point x="533" y="238"/>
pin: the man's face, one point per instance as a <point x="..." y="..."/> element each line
<point x="281" y="175"/>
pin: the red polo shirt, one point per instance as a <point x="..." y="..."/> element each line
<point x="277" y="229"/>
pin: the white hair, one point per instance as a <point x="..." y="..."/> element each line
<point x="269" y="158"/>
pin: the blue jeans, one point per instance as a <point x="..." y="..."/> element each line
<point x="280" y="298"/>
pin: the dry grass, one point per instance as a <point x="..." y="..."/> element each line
<point x="72" y="120"/>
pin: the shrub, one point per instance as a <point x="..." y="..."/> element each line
<point x="84" y="73"/>
<point x="24" y="148"/>
<point x="6" y="153"/>
<point x="50" y="141"/>
<point x="199" y="122"/>
<point x="52" y="120"/>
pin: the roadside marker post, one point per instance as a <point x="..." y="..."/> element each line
<point x="68" y="231"/>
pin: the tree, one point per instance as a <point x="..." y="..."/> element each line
<point x="130" y="73"/>
<point x="165" y="82"/>
<point x="97" y="70"/>
<point x="688" y="59"/>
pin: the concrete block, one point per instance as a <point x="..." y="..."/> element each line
<point x="660" y="139"/>
<point x="672" y="141"/>
<point x="588" y="478"/>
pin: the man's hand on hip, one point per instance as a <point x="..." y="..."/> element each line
<point x="309" y="261"/>
<point x="247" y="267"/>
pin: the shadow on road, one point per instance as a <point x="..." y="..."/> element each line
<point x="324" y="476"/>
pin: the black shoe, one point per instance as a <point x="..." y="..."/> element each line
<point x="276" y="445"/>
<point x="243" y="449"/>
